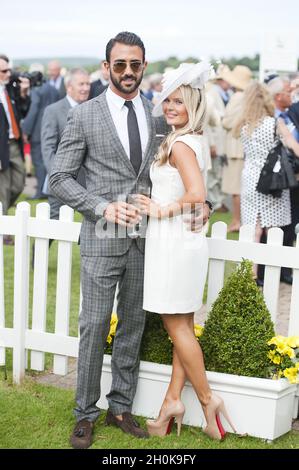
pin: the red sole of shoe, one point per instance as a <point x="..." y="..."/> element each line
<point x="169" y="427"/>
<point x="220" y="427"/>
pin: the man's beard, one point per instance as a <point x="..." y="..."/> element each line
<point x="118" y="84"/>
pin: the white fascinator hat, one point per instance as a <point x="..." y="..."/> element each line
<point x="195" y="75"/>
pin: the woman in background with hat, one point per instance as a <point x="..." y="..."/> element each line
<point x="176" y="259"/>
<point x="239" y="78"/>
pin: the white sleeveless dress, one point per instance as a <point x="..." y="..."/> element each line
<point x="176" y="259"/>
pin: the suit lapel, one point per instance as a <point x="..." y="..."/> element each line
<point x="107" y="121"/>
<point x="65" y="104"/>
<point x="3" y="114"/>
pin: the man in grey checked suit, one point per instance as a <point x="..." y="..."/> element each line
<point x="97" y="137"/>
<point x="54" y="120"/>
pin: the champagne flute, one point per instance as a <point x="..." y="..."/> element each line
<point x="139" y="229"/>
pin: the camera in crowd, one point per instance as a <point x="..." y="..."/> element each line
<point x="35" y="78"/>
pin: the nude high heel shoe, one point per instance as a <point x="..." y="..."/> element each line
<point x="163" y="424"/>
<point x="214" y="428"/>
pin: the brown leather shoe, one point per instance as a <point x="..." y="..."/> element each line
<point x="127" y="425"/>
<point x="81" y="437"/>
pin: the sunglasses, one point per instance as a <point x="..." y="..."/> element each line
<point x="120" y="66"/>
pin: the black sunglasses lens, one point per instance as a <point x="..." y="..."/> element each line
<point x="120" y="67"/>
<point x="136" y="66"/>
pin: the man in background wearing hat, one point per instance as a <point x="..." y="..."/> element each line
<point x="219" y="94"/>
<point x="239" y="78"/>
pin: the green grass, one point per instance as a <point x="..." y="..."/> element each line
<point x="36" y="416"/>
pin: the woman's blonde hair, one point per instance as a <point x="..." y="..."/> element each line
<point x="257" y="104"/>
<point x="196" y="106"/>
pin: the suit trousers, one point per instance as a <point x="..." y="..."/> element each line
<point x="12" y="180"/>
<point x="39" y="167"/>
<point x="289" y="236"/>
<point x="215" y="194"/>
<point x="99" y="277"/>
<point x="54" y="207"/>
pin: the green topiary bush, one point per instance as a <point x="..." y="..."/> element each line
<point x="156" y="346"/>
<point x="239" y="325"/>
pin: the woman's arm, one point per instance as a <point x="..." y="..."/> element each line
<point x="286" y="137"/>
<point x="183" y="158"/>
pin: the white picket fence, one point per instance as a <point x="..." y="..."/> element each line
<point x="21" y="337"/>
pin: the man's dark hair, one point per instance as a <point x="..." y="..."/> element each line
<point x="4" y="57"/>
<point x="130" y="39"/>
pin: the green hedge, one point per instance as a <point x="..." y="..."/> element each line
<point x="239" y="325"/>
<point x="156" y="345"/>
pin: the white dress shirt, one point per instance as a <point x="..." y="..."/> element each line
<point x="56" y="83"/>
<point x="5" y="105"/>
<point x="72" y="102"/>
<point x="119" y="113"/>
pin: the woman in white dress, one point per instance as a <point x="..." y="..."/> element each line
<point x="257" y="125"/>
<point x="176" y="259"/>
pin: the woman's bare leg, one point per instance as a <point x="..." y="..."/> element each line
<point x="257" y="239"/>
<point x="178" y="375"/>
<point x="235" y="223"/>
<point x="189" y="357"/>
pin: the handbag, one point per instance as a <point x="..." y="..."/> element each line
<point x="294" y="161"/>
<point x="277" y="173"/>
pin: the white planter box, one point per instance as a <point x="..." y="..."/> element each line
<point x="259" y="407"/>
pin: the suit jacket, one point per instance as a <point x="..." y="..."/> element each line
<point x="41" y="97"/>
<point x="4" y="139"/>
<point x="53" y="124"/>
<point x="96" y="88"/>
<point x="62" y="90"/>
<point x="20" y="108"/>
<point x="52" y="127"/>
<point x="90" y="140"/>
<point x="293" y="114"/>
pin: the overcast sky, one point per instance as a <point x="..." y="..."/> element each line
<point x="200" y="28"/>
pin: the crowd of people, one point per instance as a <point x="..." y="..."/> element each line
<point x="38" y="138"/>
<point x="195" y="140"/>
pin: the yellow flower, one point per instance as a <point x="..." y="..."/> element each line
<point x="198" y="330"/>
<point x="291" y="374"/>
<point x="277" y="340"/>
<point x="286" y="351"/>
<point x="293" y="341"/>
<point x="276" y="359"/>
<point x="113" y="325"/>
<point x="283" y="345"/>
